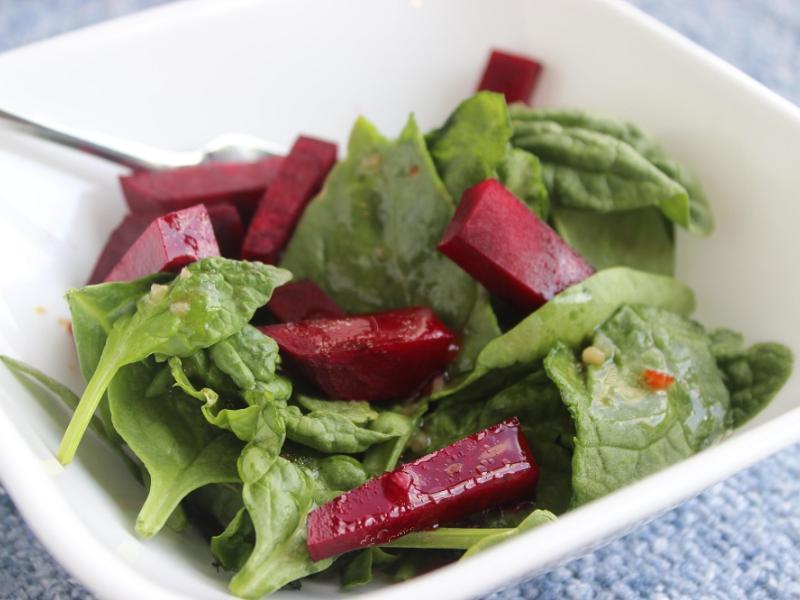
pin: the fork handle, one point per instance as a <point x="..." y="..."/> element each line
<point x="129" y="154"/>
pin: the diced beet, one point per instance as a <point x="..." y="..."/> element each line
<point x="512" y="75"/>
<point x="127" y="232"/>
<point x="240" y="184"/>
<point x="169" y="243"/>
<point x="300" y="177"/>
<point x="490" y="468"/>
<point x="500" y="242"/>
<point x="228" y="228"/>
<point x="301" y="300"/>
<point x="383" y="356"/>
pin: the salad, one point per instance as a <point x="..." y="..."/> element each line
<point x="376" y="366"/>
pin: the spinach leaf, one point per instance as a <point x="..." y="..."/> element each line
<point x="234" y="545"/>
<point x="212" y="299"/>
<point x="384" y="457"/>
<point x="330" y="432"/>
<point x="473" y="142"/>
<point x="212" y="507"/>
<point x="480" y="329"/>
<point x="752" y="376"/>
<point x="639" y="239"/>
<point x="591" y="170"/>
<point x="358" y="571"/>
<point x="624" y="429"/>
<point x="545" y="421"/>
<point x="180" y="451"/>
<point x="25" y="372"/>
<point x="471" y="539"/>
<point x="700" y="218"/>
<point x="94" y="309"/>
<point x="369" y="239"/>
<point x="337" y="473"/>
<point x="355" y="411"/>
<point x="278" y="503"/>
<point x="569" y="317"/>
<point x="535" y="519"/>
<point x="249" y="358"/>
<point x="521" y="173"/>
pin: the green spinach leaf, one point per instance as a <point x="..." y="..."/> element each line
<point x="330" y="432"/>
<point x="535" y="519"/>
<point x="234" y="545"/>
<point x="624" y="429"/>
<point x="700" y="218"/>
<point x="358" y="571"/>
<point x="180" y="451"/>
<point x="753" y="376"/>
<point x="591" y="170"/>
<point x="472" y="144"/>
<point x="355" y="411"/>
<point x="384" y="457"/>
<point x="570" y="317"/>
<point x="521" y="173"/>
<point x="640" y="239"/>
<point x="278" y="503"/>
<point x="212" y="300"/>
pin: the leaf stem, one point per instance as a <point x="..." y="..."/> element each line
<point x="444" y="538"/>
<point x="83" y="414"/>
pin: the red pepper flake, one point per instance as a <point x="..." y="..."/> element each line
<point x="658" y="380"/>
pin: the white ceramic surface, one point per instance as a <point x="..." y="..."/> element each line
<point x="178" y="75"/>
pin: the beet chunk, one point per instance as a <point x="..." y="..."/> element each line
<point x="228" y="229"/>
<point x="240" y="184"/>
<point x="500" y="242"/>
<point x="120" y="239"/>
<point x="382" y="356"/>
<point x="300" y="177"/>
<point x="301" y="300"/>
<point x="169" y="243"/>
<point x="512" y="75"/>
<point x="490" y="468"/>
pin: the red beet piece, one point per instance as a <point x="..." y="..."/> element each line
<point x="301" y="300"/>
<point x="240" y="184"/>
<point x="300" y="177"/>
<point x="169" y="242"/>
<point x="127" y="232"/>
<point x="500" y="242"/>
<point x="228" y="229"/>
<point x="490" y="468"/>
<point x="382" y="356"/>
<point x="512" y="75"/>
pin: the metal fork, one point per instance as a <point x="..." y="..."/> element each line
<point x="229" y="147"/>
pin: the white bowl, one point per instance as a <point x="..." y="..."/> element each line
<point x="176" y="76"/>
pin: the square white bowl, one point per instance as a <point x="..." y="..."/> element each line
<point x="176" y="76"/>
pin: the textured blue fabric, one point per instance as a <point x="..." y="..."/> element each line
<point x="738" y="540"/>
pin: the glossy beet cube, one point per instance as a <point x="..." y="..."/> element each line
<point x="167" y="244"/>
<point x="493" y="467"/>
<point x="301" y="300"/>
<point x="500" y="242"/>
<point x="300" y="177"/>
<point x="228" y="229"/>
<point x="120" y="239"/>
<point x="240" y="184"/>
<point x="382" y="356"/>
<point x="512" y="75"/>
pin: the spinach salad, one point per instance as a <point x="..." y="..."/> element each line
<point x="466" y="333"/>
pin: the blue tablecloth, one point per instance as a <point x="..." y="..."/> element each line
<point x="740" y="539"/>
